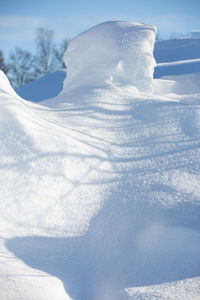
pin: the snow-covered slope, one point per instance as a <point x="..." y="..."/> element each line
<point x="43" y="88"/>
<point x="177" y="57"/>
<point x="177" y="49"/>
<point x="100" y="186"/>
<point x="178" y="67"/>
<point x="5" y="85"/>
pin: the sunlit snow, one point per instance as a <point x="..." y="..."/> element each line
<point x="100" y="185"/>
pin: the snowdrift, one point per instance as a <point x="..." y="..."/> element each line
<point x="5" y="85"/>
<point x="177" y="62"/>
<point x="100" y="186"/>
<point x="48" y="86"/>
<point x="118" y="53"/>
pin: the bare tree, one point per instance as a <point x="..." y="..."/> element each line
<point x="21" y="67"/>
<point x="45" y="51"/>
<point x="60" y="52"/>
<point x="24" y="67"/>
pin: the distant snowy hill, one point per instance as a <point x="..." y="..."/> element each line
<point x="43" y="88"/>
<point x="100" y="184"/>
<point x="177" y="57"/>
<point x="177" y="49"/>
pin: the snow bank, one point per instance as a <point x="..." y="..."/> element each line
<point x="5" y="85"/>
<point x="43" y="88"/>
<point x="186" y="84"/>
<point x="102" y="194"/>
<point x="119" y="53"/>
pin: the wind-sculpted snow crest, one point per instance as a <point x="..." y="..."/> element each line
<point x="100" y="186"/>
<point x="6" y="86"/>
<point x="118" y="53"/>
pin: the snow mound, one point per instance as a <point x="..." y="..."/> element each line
<point x="5" y="85"/>
<point x="43" y="88"/>
<point x="119" y="53"/>
<point x="100" y="186"/>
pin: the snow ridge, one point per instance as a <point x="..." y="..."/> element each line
<point x="100" y="186"/>
<point x="118" y="53"/>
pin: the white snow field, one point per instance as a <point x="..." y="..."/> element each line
<point x="100" y="185"/>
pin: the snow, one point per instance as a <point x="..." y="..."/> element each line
<point x="5" y="85"/>
<point x="43" y="88"/>
<point x="177" y="49"/>
<point x="100" y="185"/>
<point x="177" y="57"/>
<point x="120" y="51"/>
<point x="19" y="281"/>
<point x="183" y="289"/>
<point x="180" y="67"/>
<point x="184" y="84"/>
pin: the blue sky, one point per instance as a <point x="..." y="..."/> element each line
<point x="20" y="18"/>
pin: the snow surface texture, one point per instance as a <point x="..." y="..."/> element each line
<point x="121" y="52"/>
<point x="100" y="186"/>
